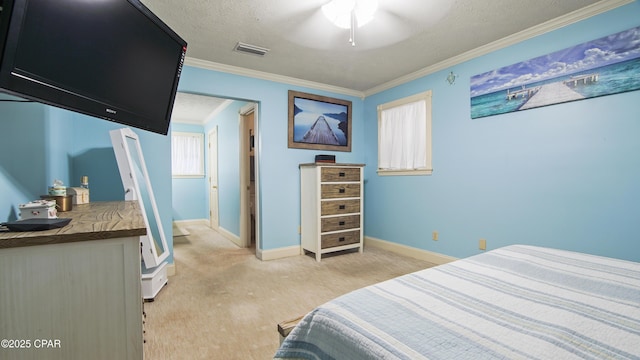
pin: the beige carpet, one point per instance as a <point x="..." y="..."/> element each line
<point x="224" y="303"/>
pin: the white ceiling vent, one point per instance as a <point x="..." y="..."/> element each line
<point x="251" y="49"/>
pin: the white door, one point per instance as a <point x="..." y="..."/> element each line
<point x="213" y="178"/>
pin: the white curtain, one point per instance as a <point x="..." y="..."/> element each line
<point x="403" y="137"/>
<point x="186" y="154"/>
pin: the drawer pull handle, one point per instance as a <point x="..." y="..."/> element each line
<point x="341" y="190"/>
<point x="341" y="223"/>
<point x="342" y="174"/>
<point x="342" y="207"/>
<point x="342" y="238"/>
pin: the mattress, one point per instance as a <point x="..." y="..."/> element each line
<point x="516" y="302"/>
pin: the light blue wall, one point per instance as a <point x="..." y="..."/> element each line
<point x="92" y="154"/>
<point x="189" y="196"/>
<point x="40" y="143"/>
<point x="24" y="172"/>
<point x="564" y="176"/>
<point x="38" y="137"/>
<point x="279" y="176"/>
<point x="228" y="125"/>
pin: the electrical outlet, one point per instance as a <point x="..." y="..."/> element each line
<point x="483" y="244"/>
<point x="299" y="229"/>
<point x="434" y="236"/>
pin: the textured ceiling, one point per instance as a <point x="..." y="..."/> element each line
<point x="196" y="109"/>
<point x="405" y="37"/>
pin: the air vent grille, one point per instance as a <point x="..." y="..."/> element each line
<point x="251" y="49"/>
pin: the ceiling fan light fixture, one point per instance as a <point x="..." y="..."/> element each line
<point x="340" y="12"/>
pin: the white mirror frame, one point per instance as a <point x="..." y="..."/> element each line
<point x="151" y="254"/>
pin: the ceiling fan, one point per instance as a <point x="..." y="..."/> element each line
<point x="324" y="24"/>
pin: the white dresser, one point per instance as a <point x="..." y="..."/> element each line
<point x="74" y="292"/>
<point x="331" y="207"/>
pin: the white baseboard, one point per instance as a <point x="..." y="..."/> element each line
<point x="178" y="226"/>
<point x="179" y="231"/>
<point x="229" y="235"/>
<point x="224" y="232"/>
<point x="191" y="222"/>
<point x="279" y="253"/>
<point x="432" y="257"/>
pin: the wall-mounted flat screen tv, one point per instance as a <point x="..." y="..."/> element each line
<point x="112" y="59"/>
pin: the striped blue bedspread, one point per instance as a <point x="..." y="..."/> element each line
<point x="516" y="302"/>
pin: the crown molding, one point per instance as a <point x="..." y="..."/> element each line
<point x="204" y="64"/>
<point x="225" y="104"/>
<point x="554" y="24"/>
<point x="218" y="110"/>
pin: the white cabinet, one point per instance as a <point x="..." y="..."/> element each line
<point x="153" y="280"/>
<point x="331" y="207"/>
<point x="75" y="292"/>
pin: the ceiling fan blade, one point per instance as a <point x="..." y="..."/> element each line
<point x="304" y="23"/>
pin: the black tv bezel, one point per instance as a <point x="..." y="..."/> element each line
<point x="6" y="7"/>
<point x="13" y="13"/>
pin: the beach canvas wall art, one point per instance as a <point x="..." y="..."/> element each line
<point x="605" y="66"/>
<point x="319" y="122"/>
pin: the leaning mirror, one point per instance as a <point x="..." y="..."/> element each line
<point x="137" y="186"/>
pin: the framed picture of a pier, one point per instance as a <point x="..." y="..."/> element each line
<point x="319" y="122"/>
<point x="604" y="66"/>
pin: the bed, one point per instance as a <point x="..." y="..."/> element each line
<point x="516" y="302"/>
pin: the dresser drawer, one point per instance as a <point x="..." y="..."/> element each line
<point x="332" y="210"/>
<point x="335" y="191"/>
<point x="339" y="223"/>
<point x="339" y="239"/>
<point x="336" y="174"/>
<point x="337" y="207"/>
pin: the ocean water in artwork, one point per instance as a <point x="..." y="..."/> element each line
<point x="331" y="118"/>
<point x="605" y="66"/>
<point x="304" y="121"/>
<point x="610" y="79"/>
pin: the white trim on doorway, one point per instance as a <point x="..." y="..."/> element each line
<point x="245" y="223"/>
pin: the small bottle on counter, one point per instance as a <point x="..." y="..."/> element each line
<point x="84" y="182"/>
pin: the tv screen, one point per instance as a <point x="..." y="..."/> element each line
<point x="112" y="59"/>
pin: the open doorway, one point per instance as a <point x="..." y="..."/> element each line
<point x="248" y="170"/>
<point x="229" y="192"/>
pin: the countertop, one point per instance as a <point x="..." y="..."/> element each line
<point x="93" y="221"/>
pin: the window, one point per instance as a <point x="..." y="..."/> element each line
<point x="404" y="136"/>
<point x="187" y="154"/>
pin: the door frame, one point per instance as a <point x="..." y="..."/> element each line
<point x="212" y="150"/>
<point x="245" y="223"/>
